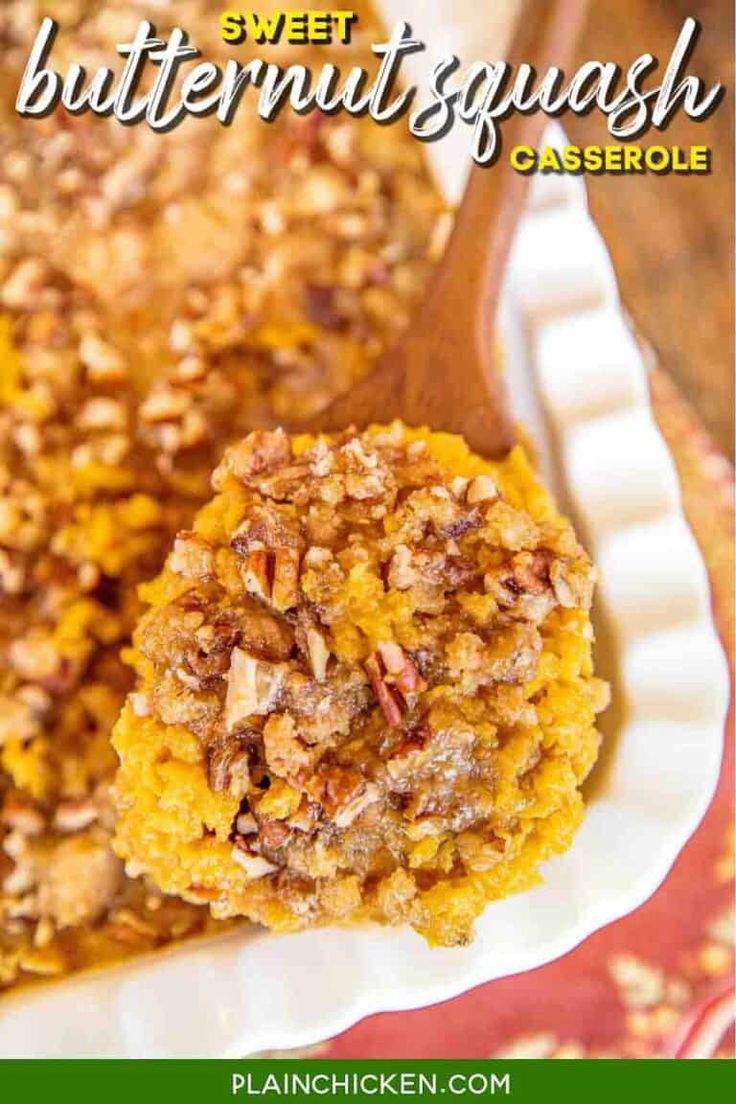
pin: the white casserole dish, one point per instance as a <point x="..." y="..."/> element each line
<point x="578" y="382"/>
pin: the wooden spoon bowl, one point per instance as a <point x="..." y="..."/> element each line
<point x="442" y="373"/>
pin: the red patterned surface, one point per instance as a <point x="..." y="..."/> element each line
<point x="659" y="982"/>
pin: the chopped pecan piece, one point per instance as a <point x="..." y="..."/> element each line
<point x="531" y="570"/>
<point x="12" y="574"/>
<point x="246" y="824"/>
<point x="72" y="816"/>
<point x="210" y="659"/>
<point x="523" y="586"/>
<point x="405" y="755"/>
<point x="321" y="459"/>
<point x="461" y="525"/>
<point x="352" y="810"/>
<point x="263" y="635"/>
<point x="24" y="284"/>
<point x="257" y="574"/>
<point x="253" y="687"/>
<point x="572" y="583"/>
<point x="19" y="814"/>
<point x="401" y="668"/>
<point x="401" y="571"/>
<point x="102" y="413"/>
<point x="560" y="585"/>
<point x="318" y="652"/>
<point x="481" y="489"/>
<point x="255" y="866"/>
<point x="388" y="698"/>
<point x="306" y="817"/>
<point x="274" y="834"/>
<point x="392" y="667"/>
<point x="335" y="787"/>
<point x="502" y="585"/>
<point x="433" y="570"/>
<point x="285" y="585"/>
<point x="35" y="657"/>
<point x="164" y="404"/>
<point x="317" y="557"/>
<point x="273" y="576"/>
<point x="192" y="556"/>
<point x="238" y="775"/>
<point x="282" y="484"/>
<point x="103" y="362"/>
<point x="228" y="768"/>
<point x="260" y="452"/>
<point x="265" y="527"/>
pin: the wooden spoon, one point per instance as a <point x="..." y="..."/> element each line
<point x="441" y="372"/>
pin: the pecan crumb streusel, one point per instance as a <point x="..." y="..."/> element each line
<point x="160" y="295"/>
<point x="364" y="686"/>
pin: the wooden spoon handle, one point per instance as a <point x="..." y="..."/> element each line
<point x="440" y="372"/>
<point x="466" y="287"/>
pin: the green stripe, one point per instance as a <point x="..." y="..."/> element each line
<point x="271" y="1081"/>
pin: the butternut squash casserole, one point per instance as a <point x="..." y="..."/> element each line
<point x="364" y="687"/>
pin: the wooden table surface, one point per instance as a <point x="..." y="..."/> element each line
<point x="671" y="237"/>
